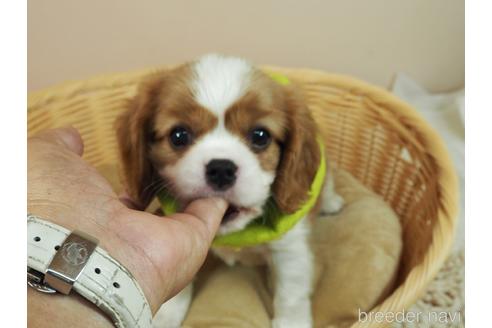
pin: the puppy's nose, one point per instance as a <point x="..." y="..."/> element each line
<point x="220" y="174"/>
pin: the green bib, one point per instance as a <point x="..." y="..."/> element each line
<point x="273" y="223"/>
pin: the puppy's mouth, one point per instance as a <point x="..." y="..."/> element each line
<point x="233" y="212"/>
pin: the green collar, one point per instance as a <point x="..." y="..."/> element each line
<point x="273" y="223"/>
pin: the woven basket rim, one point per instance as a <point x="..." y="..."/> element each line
<point x="444" y="228"/>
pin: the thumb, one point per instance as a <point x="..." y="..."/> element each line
<point x="188" y="245"/>
<point x="67" y="137"/>
<point x="209" y="211"/>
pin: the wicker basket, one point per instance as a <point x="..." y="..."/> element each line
<point x="369" y="132"/>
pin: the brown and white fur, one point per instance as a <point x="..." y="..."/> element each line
<point x="221" y="102"/>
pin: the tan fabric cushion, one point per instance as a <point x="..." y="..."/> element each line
<point x="357" y="256"/>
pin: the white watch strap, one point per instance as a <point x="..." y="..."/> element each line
<point x="103" y="281"/>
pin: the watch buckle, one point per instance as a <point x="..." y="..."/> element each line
<point x="35" y="280"/>
<point x="66" y="266"/>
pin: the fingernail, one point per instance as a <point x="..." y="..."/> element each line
<point x="71" y="138"/>
<point x="220" y="203"/>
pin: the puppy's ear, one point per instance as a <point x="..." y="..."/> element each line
<point x="300" y="155"/>
<point x="134" y="134"/>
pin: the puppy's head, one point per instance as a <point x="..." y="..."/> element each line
<point x="219" y="127"/>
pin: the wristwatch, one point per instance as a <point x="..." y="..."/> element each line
<point x="59" y="260"/>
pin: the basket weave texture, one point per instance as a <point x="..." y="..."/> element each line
<point x="370" y="133"/>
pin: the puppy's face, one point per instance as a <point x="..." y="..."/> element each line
<point x="219" y="127"/>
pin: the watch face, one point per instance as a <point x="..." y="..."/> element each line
<point x="75" y="253"/>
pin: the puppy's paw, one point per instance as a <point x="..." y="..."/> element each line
<point x="333" y="204"/>
<point x="291" y="322"/>
<point x="172" y="313"/>
<point x="294" y="315"/>
<point x="166" y="323"/>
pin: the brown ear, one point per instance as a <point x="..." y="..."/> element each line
<point x="134" y="135"/>
<point x="300" y="156"/>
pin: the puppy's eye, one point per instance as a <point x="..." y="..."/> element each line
<point x="179" y="137"/>
<point x="260" y="138"/>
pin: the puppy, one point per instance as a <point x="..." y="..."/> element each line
<point x="218" y="126"/>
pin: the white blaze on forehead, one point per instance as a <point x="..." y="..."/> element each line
<point x="219" y="81"/>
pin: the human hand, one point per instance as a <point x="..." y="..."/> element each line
<point x="163" y="253"/>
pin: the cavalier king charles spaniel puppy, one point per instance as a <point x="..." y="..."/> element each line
<point x="218" y="126"/>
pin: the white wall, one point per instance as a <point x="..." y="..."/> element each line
<point x="370" y="39"/>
